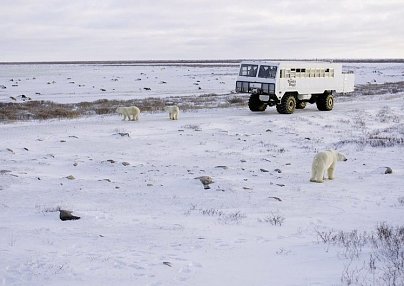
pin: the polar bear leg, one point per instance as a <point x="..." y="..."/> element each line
<point x="330" y="171"/>
<point x="317" y="172"/>
<point x="175" y="117"/>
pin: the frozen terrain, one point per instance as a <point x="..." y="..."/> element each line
<point x="72" y="83"/>
<point x="146" y="220"/>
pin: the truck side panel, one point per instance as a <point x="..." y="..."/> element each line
<point x="307" y="85"/>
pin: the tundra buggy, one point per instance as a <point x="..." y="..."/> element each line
<point x="290" y="85"/>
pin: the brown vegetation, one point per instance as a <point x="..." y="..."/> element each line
<point x="47" y="109"/>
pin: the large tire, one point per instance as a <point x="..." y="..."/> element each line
<point x="301" y="104"/>
<point x="255" y="104"/>
<point x="325" y="102"/>
<point x="287" y="105"/>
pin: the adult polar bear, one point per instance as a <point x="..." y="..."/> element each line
<point x="173" y="111"/>
<point x="325" y="161"/>
<point x="129" y="111"/>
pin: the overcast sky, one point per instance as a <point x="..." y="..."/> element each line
<point x="52" y="30"/>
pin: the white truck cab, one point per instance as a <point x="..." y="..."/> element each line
<point x="291" y="84"/>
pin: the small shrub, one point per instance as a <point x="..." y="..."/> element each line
<point x="386" y="115"/>
<point x="212" y="212"/>
<point x="232" y="218"/>
<point x="273" y="219"/>
<point x="382" y="264"/>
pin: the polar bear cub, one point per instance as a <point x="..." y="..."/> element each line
<point x="129" y="111"/>
<point x="173" y="111"/>
<point x="325" y="161"/>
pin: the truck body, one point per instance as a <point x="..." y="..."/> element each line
<point x="291" y="84"/>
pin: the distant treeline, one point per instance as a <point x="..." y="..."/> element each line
<point x="187" y="62"/>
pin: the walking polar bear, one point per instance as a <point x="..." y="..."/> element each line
<point x="325" y="161"/>
<point x="129" y="111"/>
<point x="173" y="111"/>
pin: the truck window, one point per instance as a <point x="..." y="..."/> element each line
<point x="248" y="70"/>
<point x="267" y="71"/>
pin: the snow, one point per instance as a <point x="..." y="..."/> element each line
<point x="152" y="223"/>
<point x="71" y="83"/>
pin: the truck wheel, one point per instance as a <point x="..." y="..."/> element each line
<point x="287" y="105"/>
<point x="325" y="102"/>
<point x="255" y="104"/>
<point x="301" y="105"/>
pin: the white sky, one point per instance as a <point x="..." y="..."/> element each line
<point x="51" y="30"/>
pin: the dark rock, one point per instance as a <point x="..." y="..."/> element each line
<point x="222" y="167"/>
<point x="278" y="171"/>
<point x="264" y="170"/>
<point x="206" y="181"/>
<point x="388" y="170"/>
<point x="67" y="215"/>
<point x="123" y="134"/>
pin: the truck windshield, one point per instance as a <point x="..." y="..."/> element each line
<point x="267" y="72"/>
<point x="248" y="70"/>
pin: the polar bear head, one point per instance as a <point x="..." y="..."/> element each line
<point x="341" y="157"/>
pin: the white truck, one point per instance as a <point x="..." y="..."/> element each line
<point x="289" y="85"/>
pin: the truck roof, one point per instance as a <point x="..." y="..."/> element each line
<point x="295" y="64"/>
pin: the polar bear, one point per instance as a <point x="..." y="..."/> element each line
<point x="173" y="111"/>
<point x="128" y="111"/>
<point x="325" y="161"/>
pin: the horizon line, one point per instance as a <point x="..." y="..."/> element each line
<point x="229" y="61"/>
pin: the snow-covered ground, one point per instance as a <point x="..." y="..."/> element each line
<point x="146" y="220"/>
<point x="84" y="82"/>
<point x="71" y="83"/>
